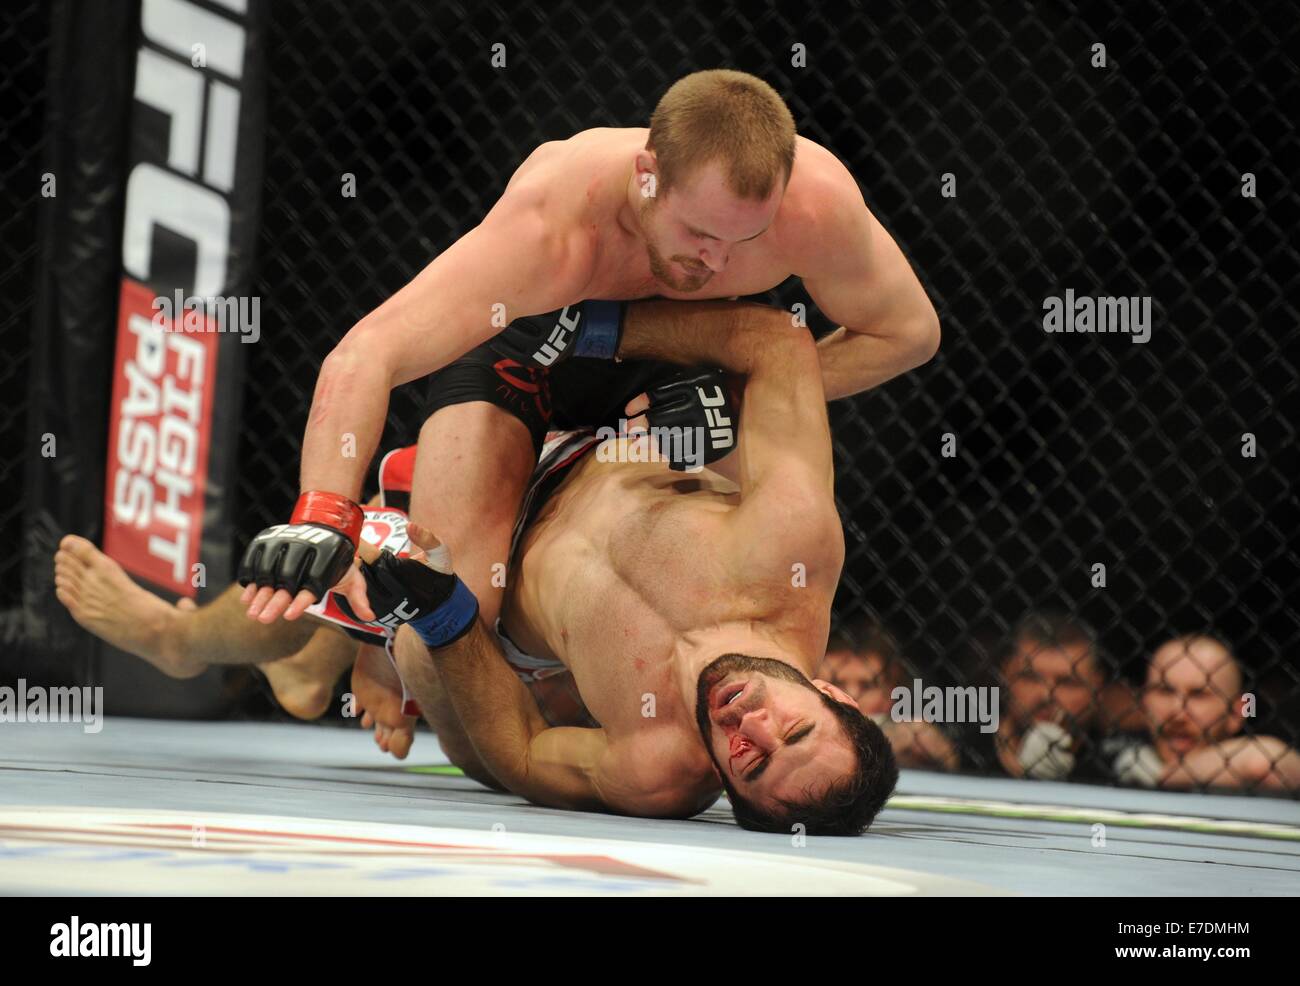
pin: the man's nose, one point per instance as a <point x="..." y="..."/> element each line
<point x="714" y="259"/>
<point x="755" y="726"/>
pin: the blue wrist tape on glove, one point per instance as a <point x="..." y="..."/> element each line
<point x="446" y="623"/>
<point x="602" y="324"/>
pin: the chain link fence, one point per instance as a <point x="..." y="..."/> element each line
<point x="24" y="47"/>
<point x="1139" y="492"/>
<point x="1070" y="451"/>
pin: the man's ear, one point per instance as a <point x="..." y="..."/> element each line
<point x="834" y="691"/>
<point x="646" y="163"/>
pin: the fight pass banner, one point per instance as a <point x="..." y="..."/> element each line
<point x="155" y="127"/>
<point x="184" y="310"/>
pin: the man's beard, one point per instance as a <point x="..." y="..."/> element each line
<point x="727" y="664"/>
<point x="666" y="273"/>
<point x="1175" y="730"/>
<point x="666" y="270"/>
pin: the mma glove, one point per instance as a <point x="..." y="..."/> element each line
<point x="692" y="418"/>
<point x="438" y="606"/>
<point x="1139" y="765"/>
<point x="312" y="551"/>
<point x="592" y="329"/>
<point x="1045" y="752"/>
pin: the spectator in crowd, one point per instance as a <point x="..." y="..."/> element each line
<point x="1051" y="679"/>
<point x="1195" y="710"/>
<point x="866" y="664"/>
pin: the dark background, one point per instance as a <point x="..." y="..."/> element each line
<point x="1073" y="449"/>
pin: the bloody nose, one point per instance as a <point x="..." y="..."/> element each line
<point x="739" y="745"/>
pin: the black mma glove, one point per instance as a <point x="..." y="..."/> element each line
<point x="438" y="605"/>
<point x="312" y="551"/>
<point x="692" y="418"/>
<point x="592" y="328"/>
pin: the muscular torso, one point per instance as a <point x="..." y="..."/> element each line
<point x="586" y="178"/>
<point x="617" y="568"/>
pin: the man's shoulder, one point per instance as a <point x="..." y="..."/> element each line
<point x="570" y="186"/>
<point x="821" y="183"/>
<point x="822" y="206"/>
<point x="565" y="172"/>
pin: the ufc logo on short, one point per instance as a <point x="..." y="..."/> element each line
<point x="721" y="434"/>
<point x="558" y="341"/>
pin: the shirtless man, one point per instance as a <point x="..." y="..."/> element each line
<point x="691" y="610"/>
<point x="718" y="198"/>
<point x="1194" y="706"/>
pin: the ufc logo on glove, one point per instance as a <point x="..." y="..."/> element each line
<point x="721" y="434"/>
<point x="402" y="613"/>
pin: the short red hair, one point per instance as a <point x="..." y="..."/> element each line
<point x="727" y="116"/>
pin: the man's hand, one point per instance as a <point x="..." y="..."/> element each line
<point x="692" y="417"/>
<point x="1045" y="752"/>
<point x="420" y="589"/>
<point x="288" y="567"/>
<point x="920" y="744"/>
<point x="1139" y="765"/>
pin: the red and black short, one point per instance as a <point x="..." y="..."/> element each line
<point x="579" y="393"/>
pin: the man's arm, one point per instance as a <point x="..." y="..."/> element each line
<point x="557" y="766"/>
<point x="920" y="744"/>
<point x="1248" y="762"/>
<point x="518" y="262"/>
<point x="786" y="469"/>
<point x="515" y="263"/>
<point x="784" y="430"/>
<point x="860" y="280"/>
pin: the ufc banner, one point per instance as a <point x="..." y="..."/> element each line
<point x="184" y="311"/>
<point x="155" y="121"/>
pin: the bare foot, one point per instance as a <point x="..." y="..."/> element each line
<point x="378" y="692"/>
<point x="102" y="598"/>
<point x="297" y="684"/>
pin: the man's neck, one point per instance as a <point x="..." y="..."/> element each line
<point x="628" y="216"/>
<point x="697" y="649"/>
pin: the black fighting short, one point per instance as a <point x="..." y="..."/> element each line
<point x="579" y="393"/>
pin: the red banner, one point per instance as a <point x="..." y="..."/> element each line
<point x="160" y="423"/>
